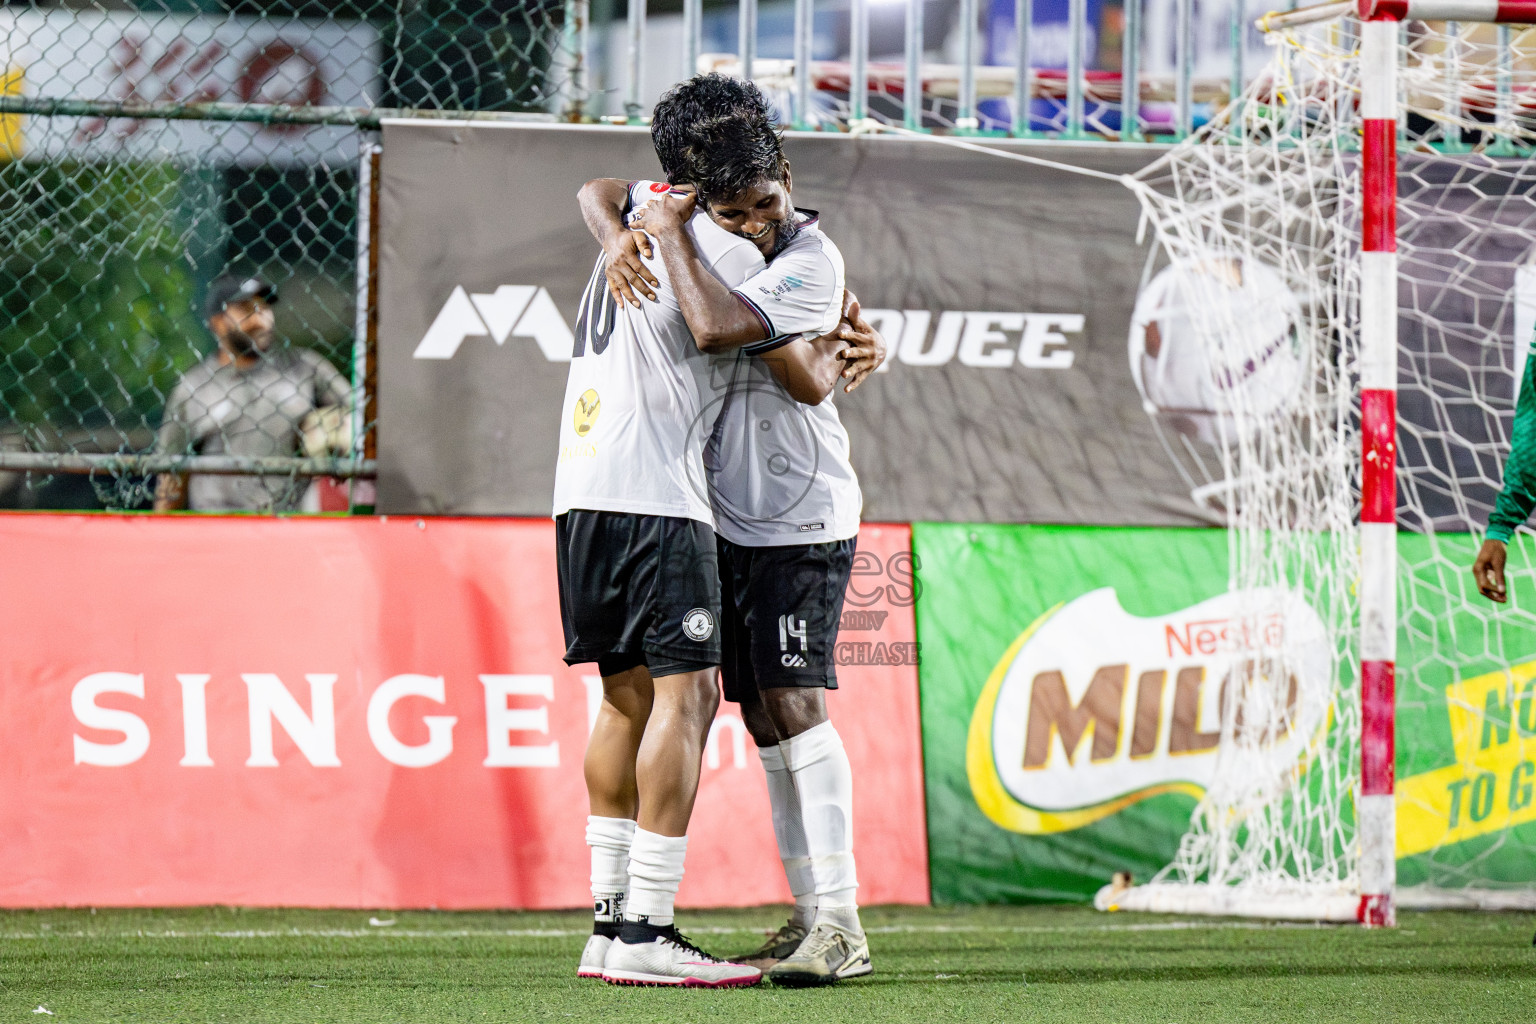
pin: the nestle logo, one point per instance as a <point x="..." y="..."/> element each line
<point x="1212" y="636"/>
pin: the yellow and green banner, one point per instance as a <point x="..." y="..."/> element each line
<point x="1466" y="720"/>
<point x="1072" y="683"/>
<point x="1061" y="740"/>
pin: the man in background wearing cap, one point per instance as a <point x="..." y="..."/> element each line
<point x="244" y="399"/>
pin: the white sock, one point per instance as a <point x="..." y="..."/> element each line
<point x="824" y="782"/>
<point x="790" y="833"/>
<point x="655" y="872"/>
<point x="609" y="839"/>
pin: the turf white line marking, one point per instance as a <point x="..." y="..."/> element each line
<point x="566" y="933"/>
<point x="1157" y="926"/>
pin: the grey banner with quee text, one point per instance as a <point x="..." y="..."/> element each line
<point x="1004" y="289"/>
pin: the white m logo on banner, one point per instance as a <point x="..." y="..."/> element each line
<point x="515" y="310"/>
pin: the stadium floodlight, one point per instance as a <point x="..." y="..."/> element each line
<point x="1384" y="178"/>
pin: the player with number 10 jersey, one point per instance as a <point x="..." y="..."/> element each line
<point x="640" y="596"/>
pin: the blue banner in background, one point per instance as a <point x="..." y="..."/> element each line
<point x="1050" y="37"/>
<point x="720" y="28"/>
<point x="1050" y="45"/>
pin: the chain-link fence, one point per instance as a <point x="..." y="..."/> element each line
<point x="161" y="164"/>
<point x="150" y="147"/>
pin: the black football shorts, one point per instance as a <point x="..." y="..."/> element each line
<point x="782" y="606"/>
<point x="638" y="589"/>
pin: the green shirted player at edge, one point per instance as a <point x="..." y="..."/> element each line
<point x="1518" y="497"/>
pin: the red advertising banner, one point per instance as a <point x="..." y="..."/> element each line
<point x="370" y="713"/>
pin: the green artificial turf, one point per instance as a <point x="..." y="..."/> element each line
<point x="982" y="964"/>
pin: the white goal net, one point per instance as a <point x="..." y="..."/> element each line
<point x="1247" y="343"/>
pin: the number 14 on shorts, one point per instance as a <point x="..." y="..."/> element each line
<point x="791" y="627"/>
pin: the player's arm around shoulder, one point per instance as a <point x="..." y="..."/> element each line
<point x="802" y="294"/>
<point x="604" y="203"/>
<point x="866" y="349"/>
<point x="801" y="291"/>
<point x="718" y="321"/>
<point x="810" y="368"/>
<point x="806" y="367"/>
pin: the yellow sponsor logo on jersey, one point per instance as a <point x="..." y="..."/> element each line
<point x="585" y="413"/>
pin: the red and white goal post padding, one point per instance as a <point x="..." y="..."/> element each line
<point x="1378" y="333"/>
<point x="1378" y="422"/>
<point x="1377" y="818"/>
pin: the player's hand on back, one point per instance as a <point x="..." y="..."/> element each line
<point x="665" y="213"/>
<point x="866" y="346"/>
<point x="1488" y="571"/>
<point x="628" y="276"/>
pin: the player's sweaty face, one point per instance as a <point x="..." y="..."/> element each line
<point x="762" y="213"/>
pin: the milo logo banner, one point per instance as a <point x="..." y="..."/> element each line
<point x="1093" y="709"/>
<point x="1071" y="683"/>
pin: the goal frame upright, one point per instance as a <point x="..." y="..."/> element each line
<point x="1377" y="818"/>
<point x="1369" y="119"/>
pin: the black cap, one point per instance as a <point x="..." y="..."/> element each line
<point x="229" y="288"/>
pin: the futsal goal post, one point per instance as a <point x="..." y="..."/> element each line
<point x="1381" y="170"/>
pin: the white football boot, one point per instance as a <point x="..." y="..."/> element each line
<point x="596" y="950"/>
<point x="829" y="953"/>
<point x="645" y="954"/>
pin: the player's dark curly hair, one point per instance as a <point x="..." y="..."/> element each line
<point x="690" y="107"/>
<point x="728" y="155"/>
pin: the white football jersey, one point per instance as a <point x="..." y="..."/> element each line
<point x="779" y="470"/>
<point x="637" y="410"/>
